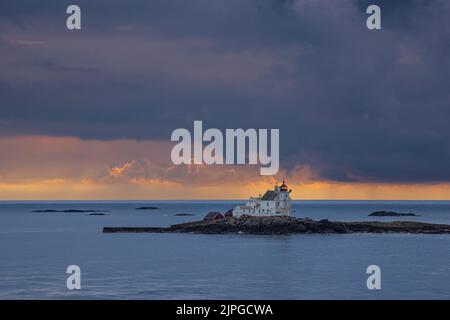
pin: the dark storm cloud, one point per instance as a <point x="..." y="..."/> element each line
<point x="356" y="105"/>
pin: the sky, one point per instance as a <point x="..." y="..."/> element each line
<point x="88" y="114"/>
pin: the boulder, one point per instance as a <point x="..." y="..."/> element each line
<point x="213" y="216"/>
<point x="229" y="213"/>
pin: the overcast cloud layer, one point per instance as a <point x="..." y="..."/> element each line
<point x="354" y="104"/>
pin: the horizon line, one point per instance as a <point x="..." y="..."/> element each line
<point x="149" y="200"/>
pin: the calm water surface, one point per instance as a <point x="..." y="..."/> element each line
<point x="36" y="248"/>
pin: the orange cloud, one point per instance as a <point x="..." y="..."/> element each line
<point x="41" y="167"/>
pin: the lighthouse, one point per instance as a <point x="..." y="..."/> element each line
<point x="276" y="202"/>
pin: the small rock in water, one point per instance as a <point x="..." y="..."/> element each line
<point x="147" y="208"/>
<point x="69" y="211"/>
<point x="391" y="214"/>
<point x="183" y="214"/>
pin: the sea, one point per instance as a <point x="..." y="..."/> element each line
<point x="37" y="248"/>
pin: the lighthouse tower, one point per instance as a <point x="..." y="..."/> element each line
<point x="283" y="200"/>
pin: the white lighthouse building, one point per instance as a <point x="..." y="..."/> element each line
<point x="275" y="202"/>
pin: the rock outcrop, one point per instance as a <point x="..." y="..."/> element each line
<point x="229" y="213"/>
<point x="289" y="225"/>
<point x="213" y="216"/>
<point x="391" y="214"/>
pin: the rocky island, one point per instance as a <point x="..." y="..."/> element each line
<point x="271" y="213"/>
<point x="277" y="225"/>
